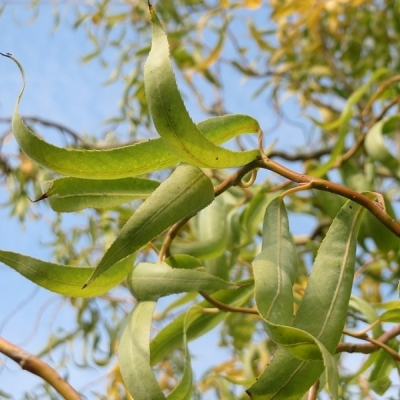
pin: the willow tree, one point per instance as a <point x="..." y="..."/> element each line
<point x="213" y="227"/>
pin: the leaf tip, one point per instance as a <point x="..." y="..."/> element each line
<point x="42" y="197"/>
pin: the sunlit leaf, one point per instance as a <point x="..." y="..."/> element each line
<point x="343" y="123"/>
<point x="66" y="279"/>
<point x="170" y="117"/>
<point x="152" y="280"/>
<point x="376" y="147"/>
<point x="183" y="194"/>
<point x="322" y="312"/>
<point x="140" y="158"/>
<point x="74" y="194"/>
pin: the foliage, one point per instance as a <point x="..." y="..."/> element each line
<point x="228" y="253"/>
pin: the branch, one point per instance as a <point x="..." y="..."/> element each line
<point x="226" y="307"/>
<point x="367" y="348"/>
<point x="38" y="367"/>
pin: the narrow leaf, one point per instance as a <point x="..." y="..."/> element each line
<point x="322" y="313"/>
<point x="343" y="123"/>
<point x="65" y="279"/>
<point x="134" y="354"/>
<point x="376" y="147"/>
<point x="184" y="193"/>
<point x="170" y="337"/>
<point x="74" y="194"/>
<point x="152" y="280"/>
<point x="121" y="162"/>
<point x="211" y="233"/>
<point x="275" y="268"/>
<point x="170" y="117"/>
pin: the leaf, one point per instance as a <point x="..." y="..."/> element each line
<point x="65" y="279"/>
<point x="170" y="338"/>
<point x="322" y="312"/>
<point x="183" y="194"/>
<point x="376" y="147"/>
<point x="153" y="280"/>
<point x="210" y="233"/>
<point x="275" y="268"/>
<point x="343" y="123"/>
<point x="170" y="117"/>
<point x="183" y="261"/>
<point x="121" y="162"/>
<point x="134" y="354"/>
<point x="359" y="304"/>
<point x="74" y="194"/>
<point x="379" y="379"/>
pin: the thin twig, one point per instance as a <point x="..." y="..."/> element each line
<point x="38" y="367"/>
<point x="367" y="348"/>
<point x="313" y="392"/>
<point x="226" y="307"/>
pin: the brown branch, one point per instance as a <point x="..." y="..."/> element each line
<point x="38" y="367"/>
<point x="373" y="207"/>
<point x="367" y="348"/>
<point x="313" y="392"/>
<point x="302" y="156"/>
<point x="227" y="307"/>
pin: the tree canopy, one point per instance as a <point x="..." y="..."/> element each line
<point x="206" y="211"/>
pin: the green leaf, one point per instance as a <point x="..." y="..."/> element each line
<point x="184" y="389"/>
<point x="275" y="268"/>
<point x="379" y="379"/>
<point x="183" y="261"/>
<point x="153" y="280"/>
<point x="74" y="194"/>
<point x="170" y="117"/>
<point x="365" y="308"/>
<point x="134" y="354"/>
<point x="170" y="337"/>
<point x="343" y="123"/>
<point x="122" y="162"/>
<point x="183" y="194"/>
<point x="391" y="316"/>
<point x="322" y="312"/>
<point x="376" y="147"/>
<point x="211" y="233"/>
<point x="65" y="279"/>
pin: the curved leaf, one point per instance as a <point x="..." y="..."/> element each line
<point x="275" y="268"/>
<point x="170" y="117"/>
<point x="184" y="193"/>
<point x="134" y="355"/>
<point x="170" y="337"/>
<point x="153" y="280"/>
<point x="322" y="312"/>
<point x="376" y="147"/>
<point x="211" y="233"/>
<point x="65" y="279"/>
<point x="74" y="194"/>
<point x="122" y="162"/>
<point x="343" y="123"/>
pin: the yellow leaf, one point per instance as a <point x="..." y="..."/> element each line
<point x="253" y="4"/>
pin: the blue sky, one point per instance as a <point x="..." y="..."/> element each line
<point x="61" y="88"/>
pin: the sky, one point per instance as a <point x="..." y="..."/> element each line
<point x="60" y="88"/>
